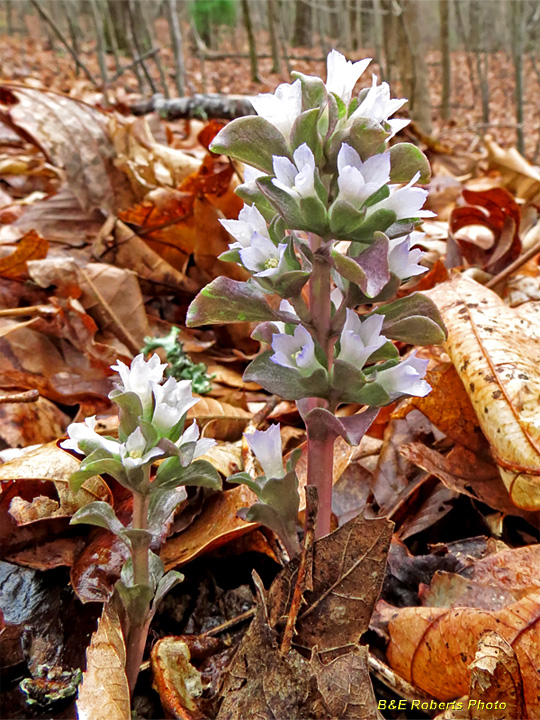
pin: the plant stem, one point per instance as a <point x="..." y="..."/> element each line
<point x="139" y="612"/>
<point x="140" y="551"/>
<point x="321" y="450"/>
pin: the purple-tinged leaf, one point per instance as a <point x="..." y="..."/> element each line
<point x="369" y="270"/>
<point x="414" y="319"/>
<point x="286" y="382"/>
<point x="320" y="422"/>
<point x="228" y="301"/>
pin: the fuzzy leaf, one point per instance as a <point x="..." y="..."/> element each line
<point x="305" y="130"/>
<point x="100" y="514"/>
<point x="369" y="270"/>
<point x="162" y="504"/>
<point x="405" y="161"/>
<point x="352" y="429"/>
<point x="228" y="301"/>
<point x="414" y="319"/>
<point x="285" y="204"/>
<point x="286" y="382"/>
<point x="172" y="474"/>
<point x="251" y="139"/>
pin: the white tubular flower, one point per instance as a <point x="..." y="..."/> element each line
<point x="377" y="104"/>
<point x="358" y="180"/>
<point x="342" y="74"/>
<point x="284" y="306"/>
<point x="281" y="108"/>
<point x="249" y="221"/>
<point x="295" y="351"/>
<point x="139" y="377"/>
<point x="84" y="432"/>
<point x="191" y="435"/>
<point x="403" y="261"/>
<point x="262" y="257"/>
<point x="297" y="179"/>
<point x="405" y="201"/>
<point x="407" y="378"/>
<point x="172" y="401"/>
<point x="266" y="445"/>
<point x="133" y="454"/>
<point x="360" y="338"/>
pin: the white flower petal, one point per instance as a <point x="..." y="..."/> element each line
<point x="266" y="445"/>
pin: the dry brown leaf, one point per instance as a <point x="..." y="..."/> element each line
<point x="217" y="524"/>
<point x="175" y="679"/>
<point x="348" y="570"/>
<point x="219" y="419"/>
<point x="517" y="174"/>
<point x="23" y="424"/>
<point x="52" y="464"/>
<point x="496" y="352"/>
<point x="72" y="135"/>
<point x="433" y="647"/>
<point x="448" y="407"/>
<point x="147" y="163"/>
<point x="104" y="691"/>
<point x="124" y="248"/>
<point x="30" y="247"/>
<point x="60" y="219"/>
<point x="495" y="679"/>
<point x="465" y="472"/>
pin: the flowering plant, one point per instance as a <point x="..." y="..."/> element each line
<point x="319" y="171"/>
<point x="152" y="427"/>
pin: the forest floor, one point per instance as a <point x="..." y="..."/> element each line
<point x="80" y="288"/>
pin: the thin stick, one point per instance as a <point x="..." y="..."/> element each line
<point x="303" y="577"/>
<point x="518" y="262"/>
<point x="40" y="310"/>
<point x="134" y="36"/>
<point x="47" y="18"/>
<point x="135" y="62"/>
<point x="27" y="396"/>
<point x="177" y="45"/>
<point x="228" y="624"/>
<point x="393" y="681"/>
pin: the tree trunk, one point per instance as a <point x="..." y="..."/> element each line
<point x="419" y="99"/>
<point x="518" y="17"/>
<point x="378" y="36"/>
<point x="253" y="61"/>
<point x="302" y="36"/>
<point x="272" y="31"/>
<point x="444" y="12"/>
<point x="177" y="46"/>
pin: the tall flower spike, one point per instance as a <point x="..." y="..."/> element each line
<point x="360" y="338"/>
<point x="358" y="180"/>
<point x="295" y="351"/>
<point x="249" y="221"/>
<point x="407" y="378"/>
<point x="297" y="179"/>
<point x="281" y="108"/>
<point x="138" y="378"/>
<point x="402" y="261"/>
<point x="266" y="444"/>
<point x="342" y="74"/>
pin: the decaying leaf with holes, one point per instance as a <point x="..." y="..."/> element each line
<point x="496" y="351"/>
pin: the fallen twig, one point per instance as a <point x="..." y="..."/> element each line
<point x="27" y="396"/>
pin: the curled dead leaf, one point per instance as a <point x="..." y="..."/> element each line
<point x="104" y="691"/>
<point x="496" y="352"/>
<point x="433" y="647"/>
